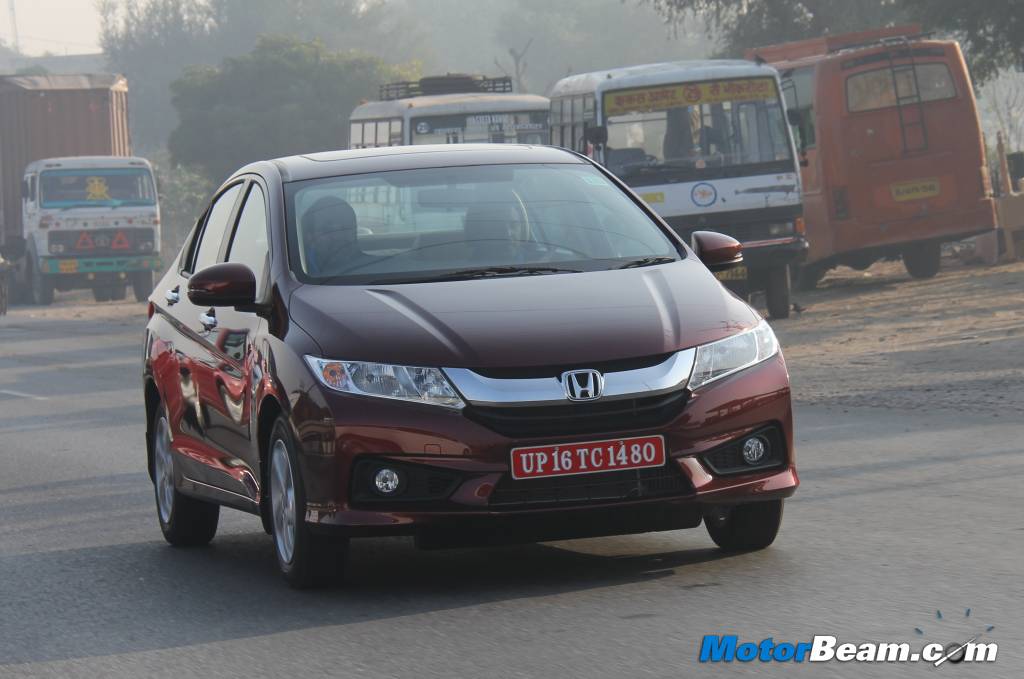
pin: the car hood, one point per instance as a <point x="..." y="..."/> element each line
<point x="546" y="320"/>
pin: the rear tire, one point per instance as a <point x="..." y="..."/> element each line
<point x="923" y="260"/>
<point x="746" y="527"/>
<point x="807" y="277"/>
<point x="142" y="285"/>
<point x="41" y="287"/>
<point x="184" y="521"/>
<point x="305" y="559"/>
<point x="777" y="292"/>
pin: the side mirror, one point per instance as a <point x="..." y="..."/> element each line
<point x="228" y="284"/>
<point x="597" y="135"/>
<point x="26" y="189"/>
<point x="717" y="251"/>
<point x="795" y="117"/>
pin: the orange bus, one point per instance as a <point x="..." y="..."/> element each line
<point x="892" y="155"/>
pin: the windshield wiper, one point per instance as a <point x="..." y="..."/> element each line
<point x="648" y="261"/>
<point x="489" y="272"/>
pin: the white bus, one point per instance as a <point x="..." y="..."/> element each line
<point x="704" y="143"/>
<point x="450" y="109"/>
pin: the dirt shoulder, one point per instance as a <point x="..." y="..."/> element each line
<point x="881" y="339"/>
<point x="876" y="338"/>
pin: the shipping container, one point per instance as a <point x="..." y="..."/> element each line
<point x="46" y="116"/>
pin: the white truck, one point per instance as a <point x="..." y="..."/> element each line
<point x="89" y="222"/>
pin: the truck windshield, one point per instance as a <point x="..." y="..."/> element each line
<point x="466" y="222"/>
<point x="698" y="130"/>
<point x="528" y="127"/>
<point x="96" y="187"/>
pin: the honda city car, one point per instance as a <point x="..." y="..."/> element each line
<point x="469" y="345"/>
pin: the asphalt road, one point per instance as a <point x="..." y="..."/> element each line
<point x="900" y="514"/>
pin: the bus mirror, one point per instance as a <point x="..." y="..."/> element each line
<point x="597" y="135"/>
<point x="795" y="117"/>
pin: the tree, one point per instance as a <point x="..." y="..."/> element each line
<point x="153" y="41"/>
<point x="742" y="24"/>
<point x="285" y="97"/>
<point x="991" y="32"/>
<point x="1002" y="108"/>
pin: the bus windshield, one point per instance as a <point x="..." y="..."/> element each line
<point x="96" y="187"/>
<point x="697" y="130"/>
<point x="527" y="127"/>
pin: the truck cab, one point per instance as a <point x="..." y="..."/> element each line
<point x="90" y="222"/>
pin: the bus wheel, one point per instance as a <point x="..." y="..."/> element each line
<point x="777" y="292"/>
<point x="42" y="287"/>
<point x="923" y="260"/>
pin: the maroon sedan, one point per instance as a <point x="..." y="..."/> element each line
<point x="472" y="344"/>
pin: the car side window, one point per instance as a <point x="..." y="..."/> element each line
<point x="213" y="231"/>
<point x="249" y="245"/>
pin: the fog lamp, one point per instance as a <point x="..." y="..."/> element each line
<point x="754" y="449"/>
<point x="387" y="481"/>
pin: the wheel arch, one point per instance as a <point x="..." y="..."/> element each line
<point x="153" y="400"/>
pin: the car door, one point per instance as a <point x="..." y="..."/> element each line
<point x="231" y="341"/>
<point x="192" y="416"/>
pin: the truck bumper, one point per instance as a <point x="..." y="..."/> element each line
<point x="768" y="254"/>
<point x="98" y="265"/>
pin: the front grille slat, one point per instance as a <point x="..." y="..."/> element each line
<point x="591" y="417"/>
<point x="614" y="486"/>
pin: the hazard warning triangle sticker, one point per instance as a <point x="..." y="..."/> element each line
<point x="121" y="242"/>
<point x="85" y="242"/>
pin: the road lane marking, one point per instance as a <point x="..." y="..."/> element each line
<point x="21" y="394"/>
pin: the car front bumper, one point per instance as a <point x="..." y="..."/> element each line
<point x="477" y="458"/>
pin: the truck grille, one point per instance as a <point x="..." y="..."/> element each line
<point x="102" y="242"/>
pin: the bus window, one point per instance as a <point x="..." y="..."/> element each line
<point x="873" y="90"/>
<point x="382" y="133"/>
<point x="396" y="133"/>
<point x="355" y="136"/>
<point x="725" y="124"/>
<point x="798" y="90"/>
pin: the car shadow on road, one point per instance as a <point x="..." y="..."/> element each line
<point x="125" y="598"/>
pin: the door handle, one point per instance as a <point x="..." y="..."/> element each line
<point x="173" y="296"/>
<point x="208" y="319"/>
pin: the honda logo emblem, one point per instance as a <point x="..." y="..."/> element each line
<point x="583" y="385"/>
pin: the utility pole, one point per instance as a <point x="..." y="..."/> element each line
<point x="14" y="27"/>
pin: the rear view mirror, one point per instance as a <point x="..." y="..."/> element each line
<point x="597" y="135"/>
<point x="795" y="117"/>
<point x="717" y="251"/>
<point x="229" y="284"/>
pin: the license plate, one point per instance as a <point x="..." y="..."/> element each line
<point x="568" y="459"/>
<point x="737" y="273"/>
<point x="915" y="190"/>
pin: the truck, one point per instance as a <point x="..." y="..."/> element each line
<point x="77" y="210"/>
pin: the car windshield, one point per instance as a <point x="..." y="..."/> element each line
<point x="690" y="131"/>
<point x="464" y="222"/>
<point x="96" y="187"/>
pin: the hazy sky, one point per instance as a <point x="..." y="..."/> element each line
<point x="57" y="26"/>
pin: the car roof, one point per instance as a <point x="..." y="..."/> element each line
<point x="390" y="158"/>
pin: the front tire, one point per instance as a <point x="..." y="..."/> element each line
<point x="777" y="292"/>
<point x="305" y="559"/>
<point x="184" y="521"/>
<point x="745" y="527"/>
<point x="142" y="285"/>
<point x="41" y="287"/>
<point x="923" y="260"/>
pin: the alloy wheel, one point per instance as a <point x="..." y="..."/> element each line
<point x="282" y="501"/>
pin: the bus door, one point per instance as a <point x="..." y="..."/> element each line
<point x="898" y="147"/>
<point x="800" y="91"/>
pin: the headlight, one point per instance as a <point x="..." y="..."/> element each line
<point x="405" y="383"/>
<point x="725" y="357"/>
